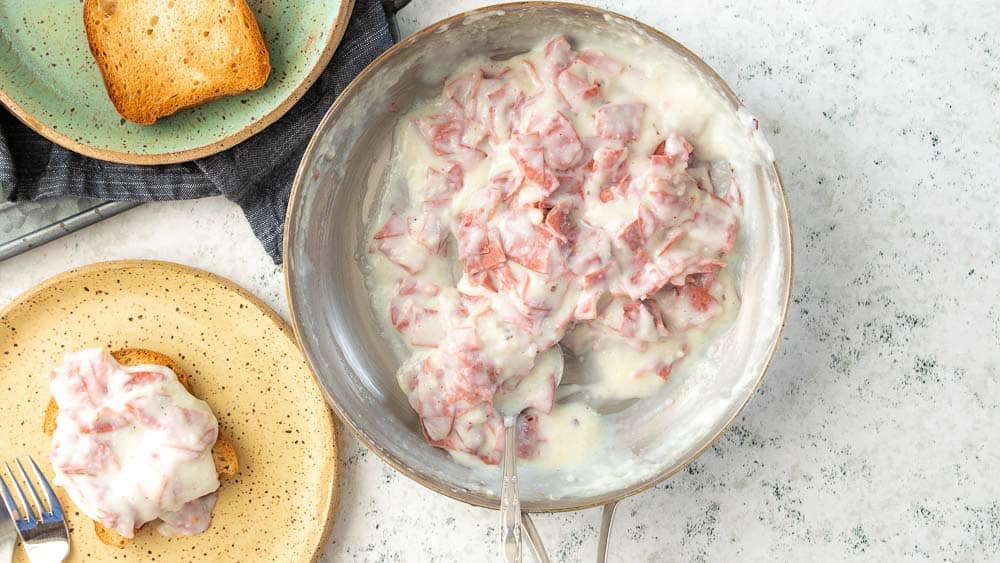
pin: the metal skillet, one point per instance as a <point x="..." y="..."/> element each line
<point x="335" y="191"/>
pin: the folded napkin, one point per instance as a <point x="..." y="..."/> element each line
<point x="256" y="174"/>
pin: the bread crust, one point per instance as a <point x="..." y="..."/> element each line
<point x="158" y="57"/>
<point x="223" y="452"/>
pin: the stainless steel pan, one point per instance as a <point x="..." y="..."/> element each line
<point x="337" y="182"/>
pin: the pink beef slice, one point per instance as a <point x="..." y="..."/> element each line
<point x="560" y="142"/>
<point x="620" y="121"/>
<point x="393" y="241"/>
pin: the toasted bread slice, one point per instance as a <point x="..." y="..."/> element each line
<point x="109" y="536"/>
<point x="158" y="57"/>
<point x="223" y="452"/>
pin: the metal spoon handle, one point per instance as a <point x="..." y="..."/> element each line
<point x="510" y="502"/>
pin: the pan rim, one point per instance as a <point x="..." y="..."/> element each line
<point x="563" y="504"/>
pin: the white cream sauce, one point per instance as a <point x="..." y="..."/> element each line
<point x="473" y="268"/>
<point x="132" y="445"/>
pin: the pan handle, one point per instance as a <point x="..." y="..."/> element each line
<point x="607" y="515"/>
<point x="535" y="540"/>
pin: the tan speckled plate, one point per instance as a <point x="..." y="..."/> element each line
<point x="242" y="359"/>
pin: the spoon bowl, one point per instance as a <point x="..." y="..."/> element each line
<point x="545" y="375"/>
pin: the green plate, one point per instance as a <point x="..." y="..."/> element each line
<point x="49" y="80"/>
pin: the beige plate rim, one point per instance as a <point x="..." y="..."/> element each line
<point x="788" y="250"/>
<point x="114" y="265"/>
<point x="334" y="35"/>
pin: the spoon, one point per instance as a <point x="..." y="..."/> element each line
<point x="538" y="384"/>
<point x="577" y="385"/>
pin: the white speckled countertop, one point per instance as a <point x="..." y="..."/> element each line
<point x="875" y="435"/>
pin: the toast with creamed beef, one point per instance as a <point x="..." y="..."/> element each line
<point x="222" y="452"/>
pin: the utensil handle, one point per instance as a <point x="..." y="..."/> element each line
<point x="607" y="515"/>
<point x="65" y="226"/>
<point x="510" y="503"/>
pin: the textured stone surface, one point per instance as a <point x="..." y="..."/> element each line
<point x="874" y="435"/>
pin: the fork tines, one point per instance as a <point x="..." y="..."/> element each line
<point x="26" y="518"/>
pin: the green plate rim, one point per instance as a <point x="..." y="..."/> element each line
<point x="334" y="36"/>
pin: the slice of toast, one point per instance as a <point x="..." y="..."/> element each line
<point x="223" y="452"/>
<point x="158" y="57"/>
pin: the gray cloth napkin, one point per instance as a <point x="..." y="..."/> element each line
<point x="256" y="174"/>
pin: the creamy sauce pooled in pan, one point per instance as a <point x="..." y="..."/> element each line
<point x="549" y="204"/>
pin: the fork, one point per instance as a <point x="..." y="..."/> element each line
<point x="45" y="538"/>
<point x="8" y="536"/>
